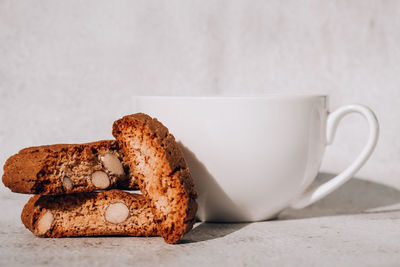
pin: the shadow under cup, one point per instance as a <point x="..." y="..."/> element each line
<point x="250" y="157"/>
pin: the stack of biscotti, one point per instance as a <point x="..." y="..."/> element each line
<point x="78" y="188"/>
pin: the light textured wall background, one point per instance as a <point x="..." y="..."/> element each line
<point x="68" y="69"/>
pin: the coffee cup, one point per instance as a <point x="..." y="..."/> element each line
<point x="252" y="157"/>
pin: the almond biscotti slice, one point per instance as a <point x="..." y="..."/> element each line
<point x="68" y="168"/>
<point x="157" y="162"/>
<point x="113" y="212"/>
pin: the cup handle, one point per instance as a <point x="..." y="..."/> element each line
<point x="312" y="195"/>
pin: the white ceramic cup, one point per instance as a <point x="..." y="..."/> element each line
<point x="252" y="157"/>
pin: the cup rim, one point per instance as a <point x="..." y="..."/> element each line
<point x="249" y="97"/>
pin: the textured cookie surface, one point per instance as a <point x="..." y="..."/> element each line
<point x="162" y="174"/>
<point x="112" y="212"/>
<point x="67" y="168"/>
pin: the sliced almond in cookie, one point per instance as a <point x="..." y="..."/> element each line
<point x="112" y="163"/>
<point x="45" y="222"/>
<point x="116" y="213"/>
<point x="100" y="180"/>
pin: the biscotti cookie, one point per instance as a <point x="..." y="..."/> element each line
<point x="68" y="168"/>
<point x="157" y="162"/>
<point x="111" y="212"/>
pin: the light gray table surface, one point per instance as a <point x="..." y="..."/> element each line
<point x="358" y="225"/>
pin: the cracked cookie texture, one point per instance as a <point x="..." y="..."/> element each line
<point x="162" y="174"/>
<point x="68" y="168"/>
<point x="112" y="212"/>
